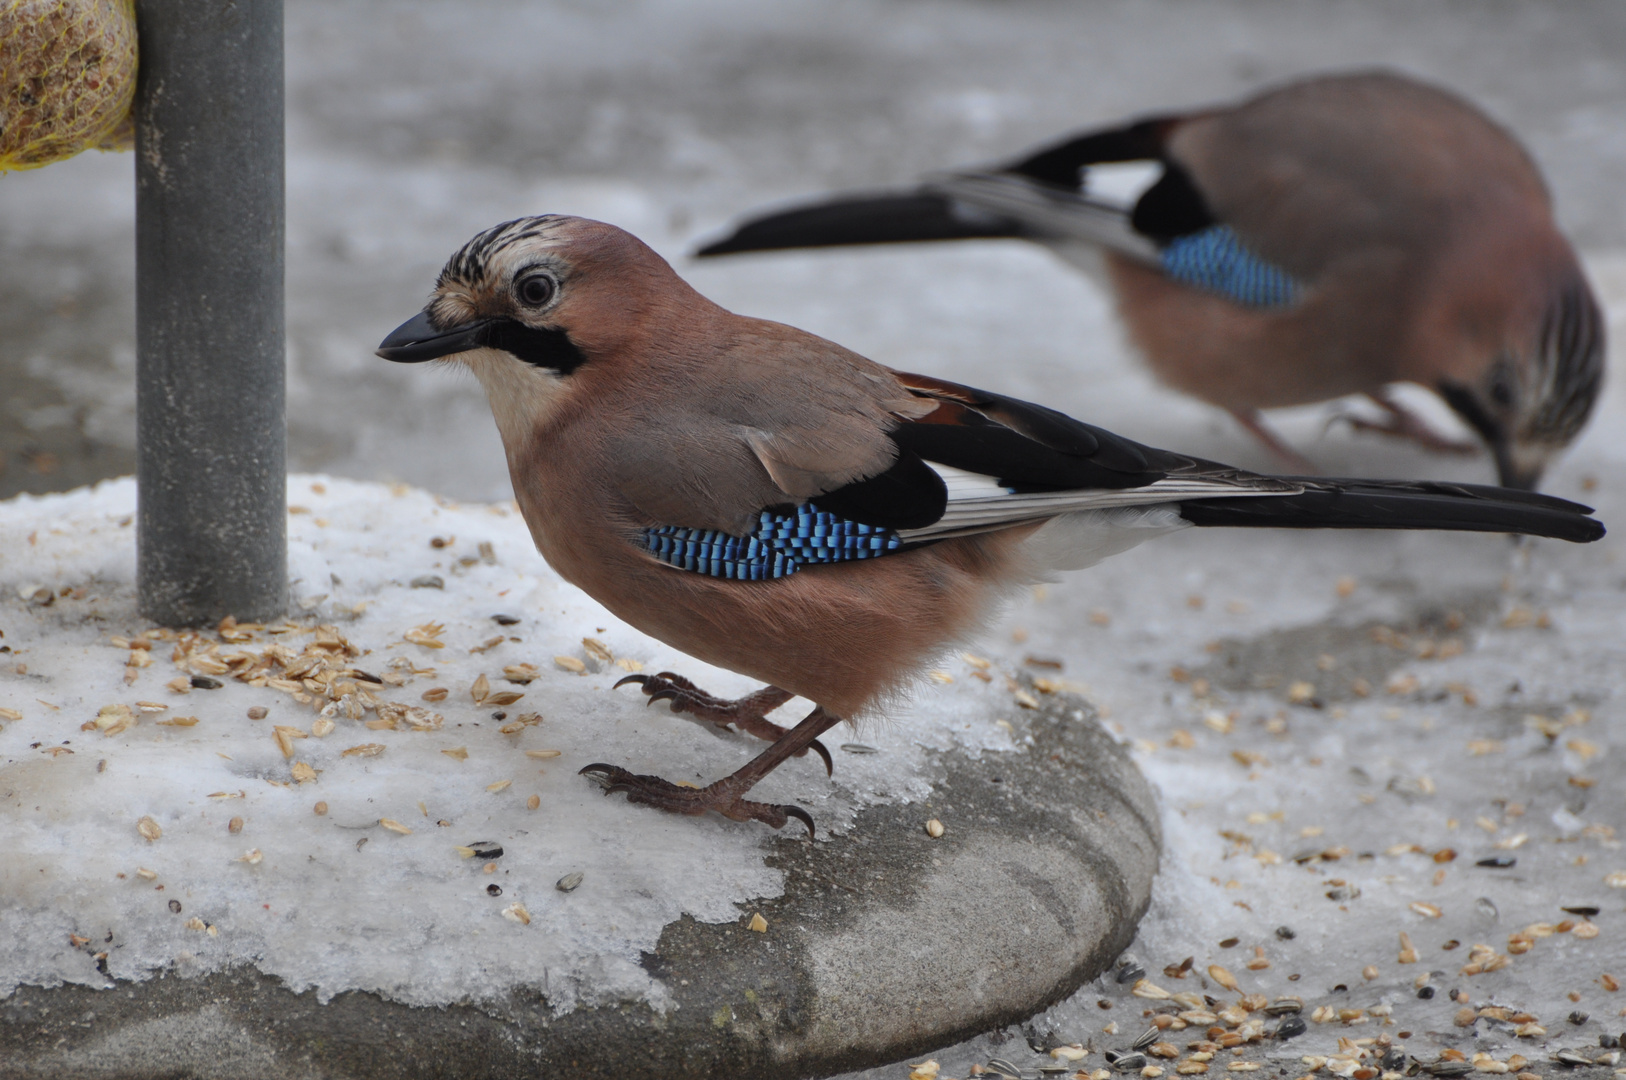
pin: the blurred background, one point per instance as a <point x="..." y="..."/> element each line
<point x="412" y="125"/>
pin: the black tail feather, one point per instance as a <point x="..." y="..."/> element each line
<point x="863" y="219"/>
<point x="1402" y="504"/>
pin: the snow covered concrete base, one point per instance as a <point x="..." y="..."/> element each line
<point x="301" y="823"/>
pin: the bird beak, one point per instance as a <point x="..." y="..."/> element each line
<point x="417" y="340"/>
<point x="1516" y="466"/>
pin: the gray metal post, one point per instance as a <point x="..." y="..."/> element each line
<point x="211" y="534"/>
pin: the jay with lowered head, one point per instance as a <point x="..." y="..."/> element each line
<point x="1332" y="236"/>
<point x="774" y="504"/>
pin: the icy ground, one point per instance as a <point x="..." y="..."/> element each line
<point x="372" y="892"/>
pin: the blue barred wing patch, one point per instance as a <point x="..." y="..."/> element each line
<point x="1215" y="260"/>
<point x="781" y="544"/>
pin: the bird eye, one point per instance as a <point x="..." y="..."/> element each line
<point x="536" y="290"/>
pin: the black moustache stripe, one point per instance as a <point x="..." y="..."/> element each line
<point x="551" y="349"/>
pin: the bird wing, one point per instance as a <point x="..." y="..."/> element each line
<point x="1004" y="461"/>
<point x="1046" y="211"/>
<point x="774" y="417"/>
<point x="967" y="461"/>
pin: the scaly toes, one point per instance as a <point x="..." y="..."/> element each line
<point x="665" y="795"/>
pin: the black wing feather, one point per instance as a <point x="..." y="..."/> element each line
<point x="863" y="219"/>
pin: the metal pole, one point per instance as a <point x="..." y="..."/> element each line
<point x="211" y="535"/>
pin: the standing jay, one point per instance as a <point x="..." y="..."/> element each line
<point x="1332" y="236"/>
<point x="772" y="503"/>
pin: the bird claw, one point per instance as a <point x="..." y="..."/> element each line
<point x="829" y="766"/>
<point x="675" y="799"/>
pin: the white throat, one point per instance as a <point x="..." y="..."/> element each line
<point x="522" y="397"/>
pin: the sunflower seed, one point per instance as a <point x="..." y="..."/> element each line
<point x="1147" y="1038"/>
<point x="1130" y="973"/>
<point x="505" y="620"/>
<point x="1284" y="1007"/>
<point x="1291" y="1028"/>
<point x="569" y="882"/>
<point x="858" y="748"/>
<point x="485" y="849"/>
<point x="493" y="890"/>
<point x="1449" y="1068"/>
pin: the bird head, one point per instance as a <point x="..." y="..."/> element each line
<point x="1534" y="397"/>
<point x="529" y="304"/>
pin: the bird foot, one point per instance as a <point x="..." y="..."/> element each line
<point x="748" y="714"/>
<point x="1255" y="424"/>
<point x="675" y="799"/>
<point x="1400" y="422"/>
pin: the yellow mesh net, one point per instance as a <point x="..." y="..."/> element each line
<point x="67" y="77"/>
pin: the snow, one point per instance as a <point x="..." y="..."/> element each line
<point x="338" y="902"/>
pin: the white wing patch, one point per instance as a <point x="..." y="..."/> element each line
<point x="1064" y="215"/>
<point x="979" y="503"/>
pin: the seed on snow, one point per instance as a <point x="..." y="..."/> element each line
<point x="570" y="663"/>
<point x="234" y="826"/>
<point x="500" y="785"/>
<point x="149" y="828"/>
<point x="395" y="826"/>
<point x="543" y="755"/>
<point x="252" y="857"/>
<point x="516" y="912"/>
<point x="1221" y="976"/>
<point x="371" y="749"/>
<point x="285" y="737"/>
<point x="569" y="882"/>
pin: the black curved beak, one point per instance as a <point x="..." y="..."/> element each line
<point x="417" y="340"/>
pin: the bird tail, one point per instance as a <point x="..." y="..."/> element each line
<point x="1402" y="504"/>
<point x="865" y="219"/>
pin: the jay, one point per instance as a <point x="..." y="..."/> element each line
<point x="1331" y="236"/>
<point x="774" y="504"/>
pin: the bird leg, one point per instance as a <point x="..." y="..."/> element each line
<point x="1250" y="419"/>
<point x="749" y="714"/>
<point x="1402" y="423"/>
<point x="726" y="796"/>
